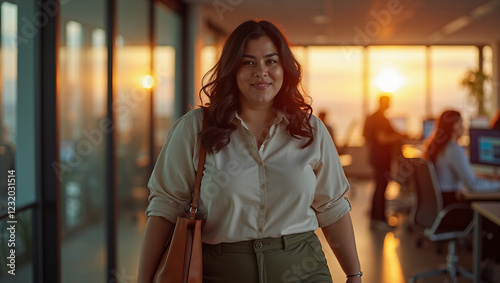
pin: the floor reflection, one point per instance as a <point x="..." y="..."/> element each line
<point x="391" y="272"/>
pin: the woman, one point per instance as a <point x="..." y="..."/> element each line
<point x="272" y="174"/>
<point x="453" y="169"/>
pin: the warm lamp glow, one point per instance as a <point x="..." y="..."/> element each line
<point x="389" y="80"/>
<point x="147" y="81"/>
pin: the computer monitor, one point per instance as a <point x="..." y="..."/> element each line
<point x="481" y="122"/>
<point x="484" y="146"/>
<point x="427" y="127"/>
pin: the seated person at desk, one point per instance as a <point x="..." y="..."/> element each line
<point x="453" y="169"/>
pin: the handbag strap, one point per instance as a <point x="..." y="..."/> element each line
<point x="199" y="172"/>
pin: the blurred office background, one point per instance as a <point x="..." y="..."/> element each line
<point x="88" y="90"/>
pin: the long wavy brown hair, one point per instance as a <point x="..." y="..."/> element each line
<point x="441" y="134"/>
<point x="224" y="96"/>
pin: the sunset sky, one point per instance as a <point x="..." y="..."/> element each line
<point x="335" y="82"/>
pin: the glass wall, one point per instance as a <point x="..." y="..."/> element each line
<point x="8" y="105"/>
<point x="83" y="127"/>
<point x="166" y="62"/>
<point x="132" y="106"/>
<point x="8" y="93"/>
<point x="82" y="123"/>
<point x="8" y="71"/>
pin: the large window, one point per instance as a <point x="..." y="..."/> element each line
<point x="334" y="80"/>
<point x="400" y="72"/>
<point x="82" y="128"/>
<point x="449" y="65"/>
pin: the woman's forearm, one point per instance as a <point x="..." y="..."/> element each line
<point x="340" y="237"/>
<point x="158" y="231"/>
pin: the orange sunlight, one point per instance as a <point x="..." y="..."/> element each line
<point x="391" y="272"/>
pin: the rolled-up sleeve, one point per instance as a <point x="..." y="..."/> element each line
<point x="173" y="176"/>
<point x="330" y="200"/>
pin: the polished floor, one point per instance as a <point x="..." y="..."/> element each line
<point x="386" y="257"/>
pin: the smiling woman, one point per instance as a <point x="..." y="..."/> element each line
<point x="260" y="75"/>
<point x="272" y="175"/>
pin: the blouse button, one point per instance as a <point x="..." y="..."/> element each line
<point x="262" y="207"/>
<point x="258" y="245"/>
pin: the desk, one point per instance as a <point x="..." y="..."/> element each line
<point x="491" y="211"/>
<point x="474" y="195"/>
<point x="486" y="171"/>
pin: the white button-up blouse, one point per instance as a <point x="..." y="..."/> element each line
<point x="249" y="192"/>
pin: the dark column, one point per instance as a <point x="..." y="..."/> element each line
<point x="48" y="186"/>
<point x="111" y="199"/>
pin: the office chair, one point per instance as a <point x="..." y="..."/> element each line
<point x="426" y="218"/>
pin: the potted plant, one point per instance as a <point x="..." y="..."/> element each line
<point x="474" y="82"/>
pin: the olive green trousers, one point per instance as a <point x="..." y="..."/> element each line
<point x="290" y="258"/>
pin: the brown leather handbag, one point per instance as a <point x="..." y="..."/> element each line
<point x="182" y="259"/>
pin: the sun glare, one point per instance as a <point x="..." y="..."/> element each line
<point x="147" y="81"/>
<point x="389" y="80"/>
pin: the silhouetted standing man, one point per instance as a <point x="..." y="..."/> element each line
<point x="380" y="137"/>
